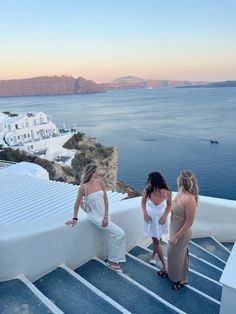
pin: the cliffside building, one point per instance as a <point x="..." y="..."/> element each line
<point x="27" y="130"/>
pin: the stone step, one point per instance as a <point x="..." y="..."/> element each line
<point x="197" y="264"/>
<point x="17" y="297"/>
<point x="200" y="253"/>
<point x="71" y="295"/>
<point x="228" y="245"/>
<point x="212" y="246"/>
<point x="122" y="289"/>
<point x="202" y="283"/>
<point x="206" y="256"/>
<point x="187" y="299"/>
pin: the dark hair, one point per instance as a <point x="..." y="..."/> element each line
<point x="155" y="181"/>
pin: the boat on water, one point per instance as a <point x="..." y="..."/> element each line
<point x="214" y="140"/>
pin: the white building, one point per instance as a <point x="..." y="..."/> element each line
<point x="26" y="129"/>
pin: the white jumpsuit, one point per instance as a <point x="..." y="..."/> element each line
<point x="115" y="236"/>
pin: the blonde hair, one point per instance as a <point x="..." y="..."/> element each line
<point x="88" y="172"/>
<point x="188" y="182"/>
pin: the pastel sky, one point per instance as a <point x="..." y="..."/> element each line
<point x="106" y="39"/>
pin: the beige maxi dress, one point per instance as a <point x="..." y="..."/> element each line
<point x="178" y="258"/>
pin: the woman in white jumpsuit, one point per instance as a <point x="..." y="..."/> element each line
<point x="96" y="197"/>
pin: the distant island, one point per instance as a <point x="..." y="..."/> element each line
<point x="68" y="85"/>
<point x="132" y="82"/>
<point x="48" y="85"/>
<point x="216" y="84"/>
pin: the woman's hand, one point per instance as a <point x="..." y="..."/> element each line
<point x="173" y="240"/>
<point x="146" y="217"/>
<point x="162" y="220"/>
<point x="105" y="222"/>
<point x="72" y="222"/>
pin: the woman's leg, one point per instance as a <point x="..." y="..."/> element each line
<point x="154" y="252"/>
<point x="115" y="238"/>
<point x="159" y="251"/>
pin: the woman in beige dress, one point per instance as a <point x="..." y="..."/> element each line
<point x="183" y="213"/>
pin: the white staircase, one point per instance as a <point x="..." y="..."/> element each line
<point x="94" y="288"/>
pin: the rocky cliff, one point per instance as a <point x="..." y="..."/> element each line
<point x="48" y="85"/>
<point x="87" y="151"/>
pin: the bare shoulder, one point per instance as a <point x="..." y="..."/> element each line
<point x="165" y="193"/>
<point x="144" y="194"/>
<point x="190" y="200"/>
<point x="82" y="188"/>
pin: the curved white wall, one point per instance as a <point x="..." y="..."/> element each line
<point x="35" y="248"/>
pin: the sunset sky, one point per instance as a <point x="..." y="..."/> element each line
<point x="105" y="39"/>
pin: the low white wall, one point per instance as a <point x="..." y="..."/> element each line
<point x="215" y="217"/>
<point x="36" y="248"/>
<point x="228" y="280"/>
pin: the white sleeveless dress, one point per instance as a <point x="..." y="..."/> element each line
<point x="154" y="229"/>
<point x="114" y="235"/>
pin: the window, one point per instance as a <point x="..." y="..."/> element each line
<point x="18" y="137"/>
<point x="24" y="135"/>
<point x="16" y="126"/>
<point x="28" y="135"/>
<point x="32" y="146"/>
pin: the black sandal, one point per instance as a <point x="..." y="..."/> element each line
<point x="178" y="285"/>
<point x="163" y="273"/>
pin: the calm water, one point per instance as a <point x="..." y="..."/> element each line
<point x="164" y="129"/>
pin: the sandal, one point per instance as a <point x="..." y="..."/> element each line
<point x="153" y="261"/>
<point x="178" y="285"/>
<point x="163" y="273"/>
<point x="116" y="268"/>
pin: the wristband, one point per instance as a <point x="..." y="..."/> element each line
<point x="75" y="218"/>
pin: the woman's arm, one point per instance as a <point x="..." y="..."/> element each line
<point x="80" y="194"/>
<point x="143" y="205"/>
<point x="105" y="218"/>
<point x="168" y="196"/>
<point x="190" y="208"/>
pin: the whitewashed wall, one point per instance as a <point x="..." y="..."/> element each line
<point x="36" y="248"/>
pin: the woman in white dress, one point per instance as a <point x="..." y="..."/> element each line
<point x="156" y="205"/>
<point x="96" y="197"/>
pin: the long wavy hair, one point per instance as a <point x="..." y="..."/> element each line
<point x="155" y="181"/>
<point x="88" y="172"/>
<point x="188" y="182"/>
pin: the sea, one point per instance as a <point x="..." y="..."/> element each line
<point x="166" y="130"/>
